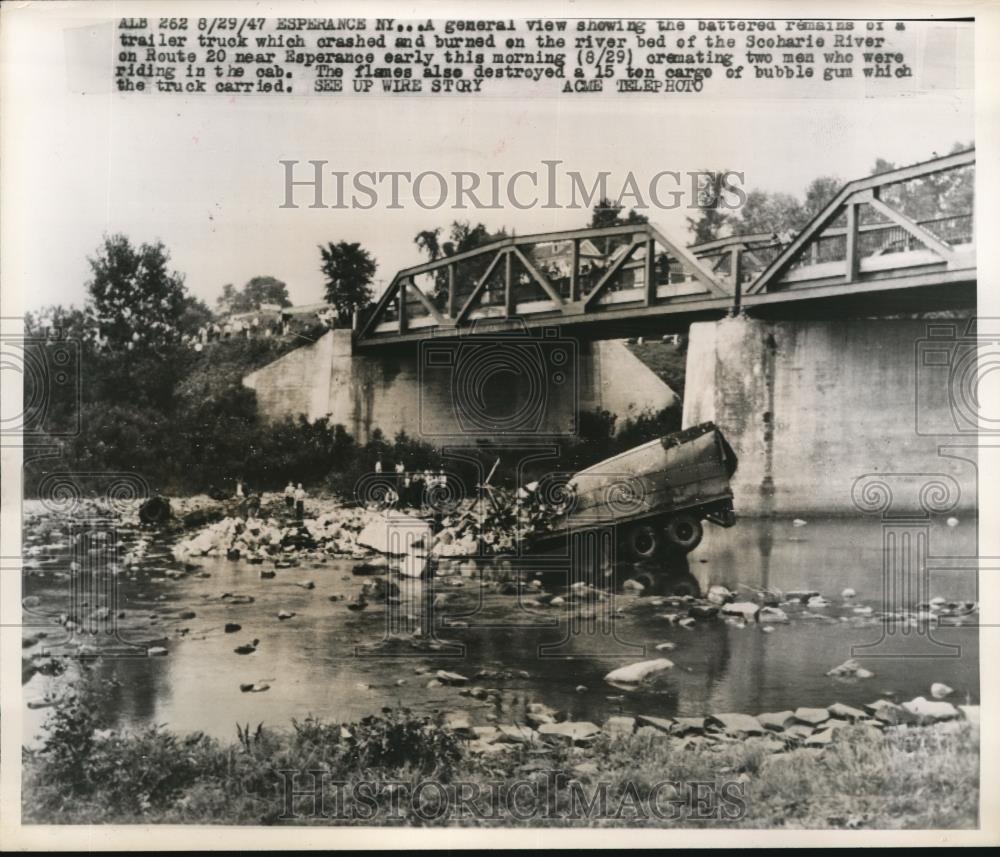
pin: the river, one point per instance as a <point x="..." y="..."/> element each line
<point x="326" y="661"/>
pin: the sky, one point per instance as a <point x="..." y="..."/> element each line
<point x="202" y="174"/>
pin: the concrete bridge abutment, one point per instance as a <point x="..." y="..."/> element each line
<point x="446" y="391"/>
<point x="812" y="406"/>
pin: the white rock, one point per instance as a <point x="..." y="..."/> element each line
<point x="738" y="724"/>
<point x="970" y="713"/>
<point x="747" y="609"/>
<point x="637" y="672"/>
<point x="926" y="709"/>
<point x="718" y="594"/>
<point x="939" y="690"/>
<point x="772" y="614"/>
<point x="798" y="522"/>
<point x="848" y="593"/>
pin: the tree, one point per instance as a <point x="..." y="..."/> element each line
<point x="607" y="213"/>
<point x="349" y="270"/>
<point x="257" y="291"/>
<point x="261" y="290"/>
<point x="429" y="241"/>
<point x="225" y="301"/>
<point x="463" y="235"/>
<point x="135" y="301"/>
<point x="819" y="193"/>
<point x="709" y="224"/>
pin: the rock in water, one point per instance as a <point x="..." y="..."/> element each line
<point x="848" y="593"/>
<point x="939" y="690"/>
<point x="772" y="614"/>
<point x="718" y="594"/>
<point x="850" y="669"/>
<point x="926" y="710"/>
<point x="747" y="609"/>
<point x="635" y="673"/>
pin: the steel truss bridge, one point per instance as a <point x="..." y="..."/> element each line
<point x="898" y="242"/>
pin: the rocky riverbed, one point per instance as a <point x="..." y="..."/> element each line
<point x="230" y="621"/>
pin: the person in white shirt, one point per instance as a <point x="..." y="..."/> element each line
<point x="300" y="502"/>
<point x="290" y="495"/>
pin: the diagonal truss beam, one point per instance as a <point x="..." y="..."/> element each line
<point x="381" y="305"/>
<point x="690" y="263"/>
<point x="538" y="276"/>
<point x="467" y="306"/>
<point x="609" y="274"/>
<point x="914" y="228"/>
<point x="426" y="301"/>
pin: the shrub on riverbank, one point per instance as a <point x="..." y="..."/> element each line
<point x="906" y="778"/>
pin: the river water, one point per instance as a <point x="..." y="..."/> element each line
<point x="326" y="660"/>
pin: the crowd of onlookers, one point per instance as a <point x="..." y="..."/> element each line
<point x="410" y="487"/>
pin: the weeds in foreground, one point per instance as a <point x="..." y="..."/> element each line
<point x="85" y="773"/>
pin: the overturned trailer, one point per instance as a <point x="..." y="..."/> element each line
<point x="654" y="496"/>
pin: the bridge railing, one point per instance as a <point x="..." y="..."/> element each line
<point x="902" y="223"/>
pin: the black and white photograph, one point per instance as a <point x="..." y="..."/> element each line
<point x="466" y="425"/>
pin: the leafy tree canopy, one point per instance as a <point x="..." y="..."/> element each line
<point x="349" y="270"/>
<point x="257" y="291"/>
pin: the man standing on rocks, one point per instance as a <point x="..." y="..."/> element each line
<point x="290" y="495"/>
<point x="300" y="502"/>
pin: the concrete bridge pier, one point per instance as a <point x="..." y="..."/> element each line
<point x="811" y="406"/>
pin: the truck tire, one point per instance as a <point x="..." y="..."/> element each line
<point x="643" y="542"/>
<point x="684" y="532"/>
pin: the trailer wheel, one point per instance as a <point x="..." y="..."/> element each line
<point x="684" y="531"/>
<point x="643" y="541"/>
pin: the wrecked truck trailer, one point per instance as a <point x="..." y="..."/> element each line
<point x="655" y="496"/>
